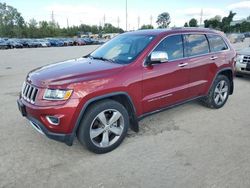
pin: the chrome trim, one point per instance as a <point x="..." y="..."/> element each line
<point x="29" y="92"/>
<point x="48" y="119"/>
<point x="182" y="64"/>
<point x="144" y="64"/>
<point x="213" y="57"/>
<point x="36" y="127"/>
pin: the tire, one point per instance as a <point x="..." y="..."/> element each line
<point x="218" y="94"/>
<point x="95" y="131"/>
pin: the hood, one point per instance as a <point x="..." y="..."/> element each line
<point x="71" y="71"/>
<point x="245" y="51"/>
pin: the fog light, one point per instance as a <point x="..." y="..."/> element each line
<point x="53" y="120"/>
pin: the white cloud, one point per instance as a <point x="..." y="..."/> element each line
<point x="240" y="5"/>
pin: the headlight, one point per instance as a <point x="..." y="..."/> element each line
<point x="57" y="94"/>
<point x="239" y="58"/>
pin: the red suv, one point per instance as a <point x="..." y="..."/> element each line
<point x="98" y="97"/>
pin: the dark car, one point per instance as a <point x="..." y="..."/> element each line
<point x="4" y="44"/>
<point x="136" y="74"/>
<point x="88" y="41"/>
<point x="79" y="42"/>
<point x="56" y="42"/>
<point x="14" y="43"/>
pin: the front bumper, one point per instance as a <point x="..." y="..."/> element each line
<point x="41" y="127"/>
<point x="241" y="68"/>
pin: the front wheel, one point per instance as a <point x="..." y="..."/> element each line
<point x="218" y="93"/>
<point x="104" y="126"/>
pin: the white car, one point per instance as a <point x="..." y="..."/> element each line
<point x="243" y="62"/>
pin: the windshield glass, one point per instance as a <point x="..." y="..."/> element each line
<point x="123" y="49"/>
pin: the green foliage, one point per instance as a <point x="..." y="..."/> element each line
<point x="147" y="27"/>
<point x="223" y="25"/>
<point x="163" y="20"/>
<point x="12" y="24"/>
<point x="186" y="24"/>
<point x="193" y="23"/>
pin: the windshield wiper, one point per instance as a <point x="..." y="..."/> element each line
<point x="102" y="59"/>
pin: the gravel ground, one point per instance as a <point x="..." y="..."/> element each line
<point x="187" y="146"/>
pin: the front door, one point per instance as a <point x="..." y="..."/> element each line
<point x="166" y="83"/>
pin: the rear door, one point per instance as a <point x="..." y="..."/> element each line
<point x="166" y="83"/>
<point x="198" y="59"/>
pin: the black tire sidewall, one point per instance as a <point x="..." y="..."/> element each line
<point x="84" y="133"/>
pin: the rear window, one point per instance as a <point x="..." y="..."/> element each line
<point x="216" y="43"/>
<point x="196" y="44"/>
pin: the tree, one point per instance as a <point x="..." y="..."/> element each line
<point x="193" y="23"/>
<point x="225" y="23"/>
<point x="186" y="24"/>
<point x="163" y="20"/>
<point x="147" y="27"/>
<point x="11" y="21"/>
<point x="248" y="18"/>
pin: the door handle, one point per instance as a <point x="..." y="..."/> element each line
<point x="213" y="57"/>
<point x="183" y="64"/>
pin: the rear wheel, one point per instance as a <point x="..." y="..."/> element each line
<point x="219" y="93"/>
<point x="104" y="126"/>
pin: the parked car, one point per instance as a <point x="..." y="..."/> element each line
<point x="30" y="43"/>
<point x="55" y="42"/>
<point x="79" y="42"/>
<point x="247" y="35"/>
<point x="88" y="41"/>
<point x="14" y="43"/>
<point x="236" y="37"/>
<point x="98" y="97"/>
<point x="42" y="43"/>
<point x="4" y="44"/>
<point x="243" y="62"/>
<point x="68" y="42"/>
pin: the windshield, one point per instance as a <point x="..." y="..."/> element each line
<point x="123" y="49"/>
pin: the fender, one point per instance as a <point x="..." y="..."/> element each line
<point x="220" y="71"/>
<point x="133" y="119"/>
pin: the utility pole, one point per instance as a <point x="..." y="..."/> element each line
<point x="138" y="22"/>
<point x="118" y="22"/>
<point x="67" y="22"/>
<point x="52" y="17"/>
<point x="151" y="20"/>
<point x="126" y="15"/>
<point x="104" y="20"/>
<point x="201" y="18"/>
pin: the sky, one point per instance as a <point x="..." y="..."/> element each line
<point x="97" y="12"/>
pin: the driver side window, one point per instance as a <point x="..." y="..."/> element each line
<point x="173" y="45"/>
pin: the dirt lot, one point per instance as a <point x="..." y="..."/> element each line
<point x="187" y="146"/>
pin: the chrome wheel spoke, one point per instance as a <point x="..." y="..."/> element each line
<point x="116" y="115"/>
<point x="105" y="139"/>
<point x="116" y="130"/>
<point x="216" y="99"/>
<point x="102" y="118"/>
<point x="216" y="90"/>
<point x="96" y="132"/>
<point x="225" y="89"/>
<point x="106" y="128"/>
<point x="222" y="83"/>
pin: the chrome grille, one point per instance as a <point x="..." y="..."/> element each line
<point x="246" y="59"/>
<point x="29" y="92"/>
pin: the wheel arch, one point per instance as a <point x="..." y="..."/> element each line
<point x="228" y="72"/>
<point x="121" y="97"/>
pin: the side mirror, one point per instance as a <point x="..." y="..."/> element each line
<point x="157" y="57"/>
